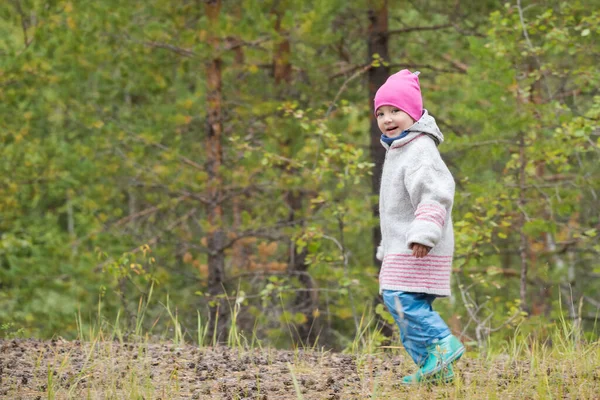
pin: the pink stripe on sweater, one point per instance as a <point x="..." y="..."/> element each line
<point x="432" y="274"/>
<point x="444" y="280"/>
<point x="414" y="277"/>
<point x="415" y="270"/>
<point x="415" y="283"/>
<point x="414" y="273"/>
<point x="436" y="207"/>
<point x="418" y="261"/>
<point x="411" y="256"/>
<point x="435" y="216"/>
<point x="431" y="213"/>
<point x="421" y="268"/>
<point x="435" y="213"/>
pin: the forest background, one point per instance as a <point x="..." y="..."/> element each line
<point x="214" y="164"/>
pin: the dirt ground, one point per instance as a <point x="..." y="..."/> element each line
<point x="31" y="369"/>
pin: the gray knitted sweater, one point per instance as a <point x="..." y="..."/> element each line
<point x="415" y="206"/>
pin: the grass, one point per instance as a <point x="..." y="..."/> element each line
<point x="102" y="364"/>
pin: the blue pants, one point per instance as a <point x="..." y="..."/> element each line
<point x="419" y="325"/>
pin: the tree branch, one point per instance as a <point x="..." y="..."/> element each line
<point x="231" y="44"/>
<point x="483" y="143"/>
<point x="24" y="24"/>
<point x="457" y="64"/>
<point x="350" y="69"/>
<point x="344" y="85"/>
<point x="418" y="29"/>
<point x="528" y="40"/>
<point x="263" y="233"/>
<point x="178" y="50"/>
<point x="425" y="66"/>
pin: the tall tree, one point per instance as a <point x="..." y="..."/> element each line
<point x="378" y="54"/>
<point x="214" y="160"/>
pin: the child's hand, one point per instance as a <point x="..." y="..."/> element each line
<point x="419" y="250"/>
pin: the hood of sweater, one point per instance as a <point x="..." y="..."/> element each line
<point x="425" y="125"/>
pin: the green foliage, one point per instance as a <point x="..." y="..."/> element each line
<point x="524" y="85"/>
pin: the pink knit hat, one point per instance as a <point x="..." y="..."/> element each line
<point x="401" y="90"/>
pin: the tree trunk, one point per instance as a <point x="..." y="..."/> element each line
<point x="306" y="300"/>
<point x="216" y="237"/>
<point x="282" y="69"/>
<point x="377" y="44"/>
<point x="522" y="219"/>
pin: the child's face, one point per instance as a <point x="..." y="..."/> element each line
<point x="392" y="121"/>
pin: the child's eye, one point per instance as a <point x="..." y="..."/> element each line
<point x="379" y="114"/>
<point x="395" y="110"/>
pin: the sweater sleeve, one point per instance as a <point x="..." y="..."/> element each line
<point x="431" y="191"/>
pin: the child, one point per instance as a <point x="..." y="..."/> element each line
<point x="415" y="204"/>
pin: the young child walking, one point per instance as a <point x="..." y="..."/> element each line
<point x="415" y="206"/>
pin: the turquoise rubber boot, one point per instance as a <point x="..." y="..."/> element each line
<point x="445" y="375"/>
<point x="438" y="365"/>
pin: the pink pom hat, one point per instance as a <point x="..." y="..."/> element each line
<point x="401" y="90"/>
